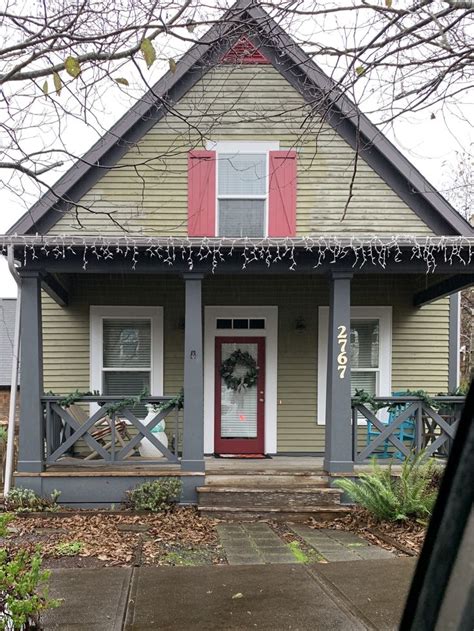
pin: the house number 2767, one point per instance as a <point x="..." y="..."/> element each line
<point x="342" y="357"/>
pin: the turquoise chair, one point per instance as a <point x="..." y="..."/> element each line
<point x="406" y="432"/>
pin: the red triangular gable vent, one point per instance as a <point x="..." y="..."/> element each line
<point x="244" y="52"/>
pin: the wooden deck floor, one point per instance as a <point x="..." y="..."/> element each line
<point x="276" y="465"/>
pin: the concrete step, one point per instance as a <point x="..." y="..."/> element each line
<point x="285" y="514"/>
<point x="252" y="479"/>
<point x="267" y="497"/>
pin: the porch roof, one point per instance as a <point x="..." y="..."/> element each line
<point x="405" y="254"/>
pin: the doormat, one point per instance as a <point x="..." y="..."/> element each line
<point x="244" y="456"/>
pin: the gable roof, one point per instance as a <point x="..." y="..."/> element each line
<point x="300" y="71"/>
<point x="7" y="331"/>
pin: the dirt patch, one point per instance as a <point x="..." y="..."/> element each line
<point x="408" y="534"/>
<point x="118" y="539"/>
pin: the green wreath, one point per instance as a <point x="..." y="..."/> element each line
<point x="239" y="358"/>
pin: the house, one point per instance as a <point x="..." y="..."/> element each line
<point x="7" y="332"/>
<point x="222" y="238"/>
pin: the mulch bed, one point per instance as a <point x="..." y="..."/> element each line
<point x="400" y="537"/>
<point x="119" y="539"/>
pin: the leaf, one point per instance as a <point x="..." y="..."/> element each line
<point x="45" y="87"/>
<point x="172" y="64"/>
<point x="238" y="595"/>
<point x="360" y="70"/>
<point x="148" y="50"/>
<point x="57" y="83"/>
<point x="388" y="4"/>
<point x="122" y="81"/>
<point x="72" y="66"/>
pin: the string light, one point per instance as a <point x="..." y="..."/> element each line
<point x="359" y="251"/>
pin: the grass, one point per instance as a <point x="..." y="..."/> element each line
<point x="311" y="556"/>
<point x="69" y="549"/>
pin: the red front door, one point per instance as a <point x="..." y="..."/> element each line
<point x="240" y="415"/>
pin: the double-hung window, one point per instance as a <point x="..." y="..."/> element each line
<point x="365" y="355"/>
<point x="126" y="351"/>
<point x="370" y="348"/>
<point x="242" y="191"/>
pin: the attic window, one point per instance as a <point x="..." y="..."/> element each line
<point x="244" y="52"/>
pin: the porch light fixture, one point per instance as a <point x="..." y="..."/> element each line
<point x="300" y="324"/>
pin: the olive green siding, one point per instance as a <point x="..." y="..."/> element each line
<point x="419" y="337"/>
<point x="147" y="192"/>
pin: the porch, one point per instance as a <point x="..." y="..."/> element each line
<point x="310" y="415"/>
<point x="95" y="462"/>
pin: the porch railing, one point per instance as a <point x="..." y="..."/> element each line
<point x="97" y="429"/>
<point x="404" y="425"/>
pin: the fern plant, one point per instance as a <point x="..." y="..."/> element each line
<point x="389" y="498"/>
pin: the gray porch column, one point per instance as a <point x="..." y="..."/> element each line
<point x="31" y="449"/>
<point x="338" y="450"/>
<point x="454" y="342"/>
<point x="193" y="424"/>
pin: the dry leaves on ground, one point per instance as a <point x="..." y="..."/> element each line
<point x="114" y="539"/>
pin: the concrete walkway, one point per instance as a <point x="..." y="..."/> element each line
<point x="345" y="596"/>
<point x="253" y="544"/>
<point x="339" y="545"/>
<point x="257" y="544"/>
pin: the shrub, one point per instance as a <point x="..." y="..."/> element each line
<point x="26" y="500"/>
<point x="155" y="496"/>
<point x="69" y="549"/>
<point x="5" y="519"/>
<point x="3" y="435"/>
<point x="21" y="602"/>
<point x="393" y="499"/>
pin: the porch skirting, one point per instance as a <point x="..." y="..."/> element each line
<point x="84" y="489"/>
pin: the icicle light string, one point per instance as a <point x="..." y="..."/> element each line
<point x="374" y="251"/>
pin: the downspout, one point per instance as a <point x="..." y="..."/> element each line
<point x="14" y="378"/>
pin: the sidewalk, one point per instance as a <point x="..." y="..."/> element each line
<point x="353" y="596"/>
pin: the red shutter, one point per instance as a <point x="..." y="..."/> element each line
<point x="201" y="193"/>
<point x="282" y="194"/>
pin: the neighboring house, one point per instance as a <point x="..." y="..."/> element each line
<point x="7" y="330"/>
<point x="232" y="177"/>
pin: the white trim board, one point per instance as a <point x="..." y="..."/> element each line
<point x="384" y="385"/>
<point x="97" y="315"/>
<point x="270" y="333"/>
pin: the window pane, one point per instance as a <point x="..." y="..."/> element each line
<point x="241" y="218"/>
<point x="125" y="384"/>
<point x="224" y="323"/>
<point x="241" y="323"/>
<point x="242" y="174"/>
<point x="127" y="343"/>
<point x="239" y="409"/>
<point x="364" y="381"/>
<point x="365" y="343"/>
<point x="257" y="324"/>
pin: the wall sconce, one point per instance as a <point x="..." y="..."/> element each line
<point x="300" y="324"/>
<point x="181" y="324"/>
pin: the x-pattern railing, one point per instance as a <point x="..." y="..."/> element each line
<point x="434" y="426"/>
<point x="106" y="431"/>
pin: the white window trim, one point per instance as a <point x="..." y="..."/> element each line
<point x="270" y="333"/>
<point x="384" y="383"/>
<point x="243" y="146"/>
<point x="97" y="315"/>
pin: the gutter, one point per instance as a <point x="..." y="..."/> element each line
<point x="14" y="377"/>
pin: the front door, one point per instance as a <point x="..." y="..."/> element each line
<point x="240" y="410"/>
